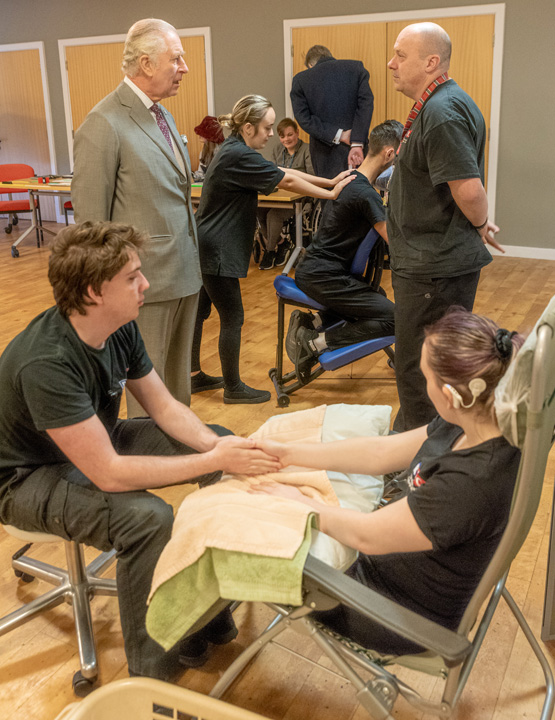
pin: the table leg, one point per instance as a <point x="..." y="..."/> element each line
<point x="15" y="251"/>
<point x="298" y="238"/>
<point x="35" y="224"/>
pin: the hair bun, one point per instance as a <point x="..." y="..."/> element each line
<point x="504" y="343"/>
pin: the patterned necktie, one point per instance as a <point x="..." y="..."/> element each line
<point x="162" y="123"/>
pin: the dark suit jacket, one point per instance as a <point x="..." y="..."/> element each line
<point x="331" y="95"/>
<point x="125" y="171"/>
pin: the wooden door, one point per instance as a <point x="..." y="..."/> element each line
<point x="357" y="41"/>
<point x="23" y="130"/>
<point x="95" y="70"/>
<point x="372" y="43"/>
<point x="472" y="37"/>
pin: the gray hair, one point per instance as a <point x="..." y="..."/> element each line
<point x="145" y="37"/>
<point x="249" y="109"/>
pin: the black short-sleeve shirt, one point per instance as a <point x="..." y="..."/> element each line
<point x="49" y="378"/>
<point x="226" y="218"/>
<point x="461" y="501"/>
<point x="428" y="235"/>
<point x="345" y="222"/>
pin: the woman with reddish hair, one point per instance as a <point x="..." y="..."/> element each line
<point x="428" y="549"/>
<point x="209" y="132"/>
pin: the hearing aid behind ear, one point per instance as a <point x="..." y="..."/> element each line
<point x="476" y="387"/>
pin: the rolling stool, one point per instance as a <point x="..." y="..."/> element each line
<point x="76" y="586"/>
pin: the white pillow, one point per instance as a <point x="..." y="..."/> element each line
<point x="356" y="492"/>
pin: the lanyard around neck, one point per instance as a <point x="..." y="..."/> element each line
<point x="417" y="107"/>
<point x="288" y="158"/>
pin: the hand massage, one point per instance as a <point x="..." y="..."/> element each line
<point x="134" y="281"/>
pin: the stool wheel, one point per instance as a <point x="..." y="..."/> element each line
<point x="15" y="220"/>
<point x="283" y="401"/>
<point x="8" y="229"/>
<point x="82" y="686"/>
<point x="15" y="251"/>
<point x="391" y="364"/>
<point x="24" y="577"/>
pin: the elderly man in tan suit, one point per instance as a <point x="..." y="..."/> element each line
<point x="131" y="166"/>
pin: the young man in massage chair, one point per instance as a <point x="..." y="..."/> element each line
<point x="324" y="273"/>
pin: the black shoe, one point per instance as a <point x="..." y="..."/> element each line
<point x="298" y="319"/>
<point x="194" y="650"/>
<point x="222" y="629"/>
<point x="305" y="357"/>
<point x="268" y="260"/>
<point x="201" y="382"/>
<point x="283" y="251"/>
<point x="245" y="395"/>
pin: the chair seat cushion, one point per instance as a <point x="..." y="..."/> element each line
<point x="333" y="359"/>
<point x="287" y="290"/>
<point x="14" y="206"/>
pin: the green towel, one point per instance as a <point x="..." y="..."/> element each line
<point x="183" y="599"/>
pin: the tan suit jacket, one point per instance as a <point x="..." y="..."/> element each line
<point x="125" y="171"/>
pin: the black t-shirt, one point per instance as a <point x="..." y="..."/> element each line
<point x="226" y="218"/>
<point x="461" y="502"/>
<point x="345" y="222"/>
<point x="428" y="235"/>
<point x="49" y="378"/>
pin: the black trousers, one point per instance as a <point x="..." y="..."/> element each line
<point x="368" y="313"/>
<point x="420" y="302"/>
<point x="225" y="294"/>
<point x="60" y="500"/>
<point x="369" y="633"/>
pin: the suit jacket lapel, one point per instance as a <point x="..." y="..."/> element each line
<point x="145" y="120"/>
<point x="178" y="143"/>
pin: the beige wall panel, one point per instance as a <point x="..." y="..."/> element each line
<point x="357" y="41"/>
<point x="191" y="104"/>
<point x="471" y="63"/>
<point x="95" y="70"/>
<point x="23" y="129"/>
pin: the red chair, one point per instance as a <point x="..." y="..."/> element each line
<point x="12" y="207"/>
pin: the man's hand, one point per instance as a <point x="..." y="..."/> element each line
<point x="487" y="233"/>
<point x="345" y="137"/>
<point x="356" y="156"/>
<point x="240" y="455"/>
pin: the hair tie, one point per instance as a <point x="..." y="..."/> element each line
<point x="503" y="343"/>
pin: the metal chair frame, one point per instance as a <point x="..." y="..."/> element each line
<point x="368" y="265"/>
<point x="18" y="171"/>
<point x="75" y="585"/>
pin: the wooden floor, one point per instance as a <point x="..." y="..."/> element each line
<point x="37" y="661"/>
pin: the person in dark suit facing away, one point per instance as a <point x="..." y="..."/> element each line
<point x="332" y="101"/>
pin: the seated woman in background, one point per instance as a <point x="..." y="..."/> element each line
<point x="292" y="152"/>
<point x="226" y="221"/>
<point x="429" y="549"/>
<point x="211" y="136"/>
